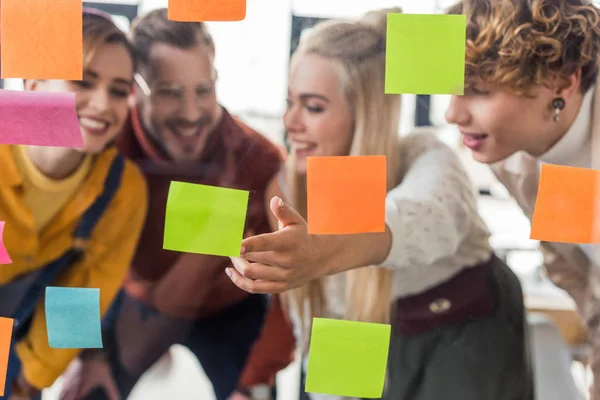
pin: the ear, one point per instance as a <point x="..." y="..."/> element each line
<point x="131" y="100"/>
<point x="570" y="86"/>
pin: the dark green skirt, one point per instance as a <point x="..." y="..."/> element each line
<point x="484" y="358"/>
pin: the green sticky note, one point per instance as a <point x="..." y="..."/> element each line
<point x="205" y="219"/>
<point x="347" y="358"/>
<point x="425" y="54"/>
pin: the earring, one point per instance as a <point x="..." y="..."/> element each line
<point x="558" y="104"/>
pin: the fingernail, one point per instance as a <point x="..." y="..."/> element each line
<point x="280" y="202"/>
<point x="228" y="272"/>
<point x="242" y="250"/>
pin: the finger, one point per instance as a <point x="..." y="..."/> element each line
<point x="276" y="241"/>
<point x="255" y="287"/>
<point x="258" y="271"/>
<point x="286" y="214"/>
<point x="270" y="258"/>
<point x="112" y="390"/>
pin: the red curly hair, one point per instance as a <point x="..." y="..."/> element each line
<point x="518" y="44"/>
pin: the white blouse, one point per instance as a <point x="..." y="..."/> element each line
<point x="436" y="228"/>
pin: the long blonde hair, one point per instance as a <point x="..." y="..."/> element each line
<point x="358" y="47"/>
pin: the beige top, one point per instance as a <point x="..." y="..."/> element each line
<point x="435" y="224"/>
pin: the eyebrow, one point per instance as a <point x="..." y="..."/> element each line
<point x="307" y="96"/>
<point x="95" y="75"/>
<point x="171" y="83"/>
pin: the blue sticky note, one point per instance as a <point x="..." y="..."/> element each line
<point x="73" y="318"/>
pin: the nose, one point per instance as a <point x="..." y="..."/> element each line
<point x="458" y="111"/>
<point x="292" y="120"/>
<point x="191" y="109"/>
<point x="100" y="99"/>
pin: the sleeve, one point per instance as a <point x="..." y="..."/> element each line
<point x="272" y="351"/>
<point x="432" y="209"/>
<point x="117" y="234"/>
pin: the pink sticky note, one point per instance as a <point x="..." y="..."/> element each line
<point x="4" y="257"/>
<point x="39" y="119"/>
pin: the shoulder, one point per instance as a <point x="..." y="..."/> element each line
<point x="128" y="208"/>
<point x="132" y="194"/>
<point x="133" y="181"/>
<point x="422" y="139"/>
<point x="423" y="145"/>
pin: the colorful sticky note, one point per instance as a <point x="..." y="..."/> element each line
<point x="347" y="358"/>
<point x="6" y="330"/>
<point x="346" y="194"/>
<point x="39" y="119"/>
<point x="42" y="39"/>
<point x="425" y="54"/>
<point x="205" y="219"/>
<point x="73" y="318"/>
<point x="207" y="10"/>
<point x="4" y="257"/>
<point x="567" y="207"/>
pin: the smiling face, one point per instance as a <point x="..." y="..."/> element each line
<point x="318" y="118"/>
<point x="512" y="46"/>
<point x="182" y="108"/>
<point x="495" y="124"/>
<point x="101" y="97"/>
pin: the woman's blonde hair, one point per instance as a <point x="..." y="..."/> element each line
<point x="358" y="48"/>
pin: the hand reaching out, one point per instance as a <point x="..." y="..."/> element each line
<point x="282" y="260"/>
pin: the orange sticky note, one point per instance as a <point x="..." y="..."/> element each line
<point x="42" y="39"/>
<point x="346" y="194"/>
<point x="567" y="208"/>
<point x="6" y="329"/>
<point x="207" y="10"/>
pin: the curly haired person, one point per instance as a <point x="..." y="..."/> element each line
<point x="531" y="97"/>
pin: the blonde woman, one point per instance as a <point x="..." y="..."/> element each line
<point x="456" y="310"/>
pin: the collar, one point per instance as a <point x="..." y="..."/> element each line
<point x="10" y="176"/>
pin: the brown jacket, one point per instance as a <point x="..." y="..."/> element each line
<point x="565" y="264"/>
<point x="191" y="286"/>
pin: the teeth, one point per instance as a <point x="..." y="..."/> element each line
<point x="91" y="123"/>
<point x="302" y="146"/>
<point x="187" y="132"/>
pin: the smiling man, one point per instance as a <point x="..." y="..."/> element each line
<point x="179" y="132"/>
